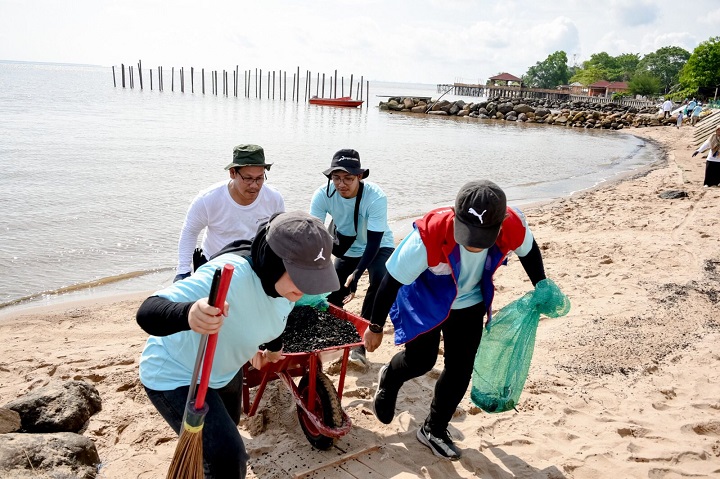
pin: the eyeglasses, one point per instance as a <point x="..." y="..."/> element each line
<point x="249" y="180"/>
<point x="347" y="179"/>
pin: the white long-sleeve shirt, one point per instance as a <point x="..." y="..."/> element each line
<point x="706" y="146"/>
<point x="224" y="220"/>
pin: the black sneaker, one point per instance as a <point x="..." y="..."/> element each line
<point x="441" y="445"/>
<point x="357" y="356"/>
<point x="384" y="401"/>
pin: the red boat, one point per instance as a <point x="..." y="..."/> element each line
<point x="342" y="101"/>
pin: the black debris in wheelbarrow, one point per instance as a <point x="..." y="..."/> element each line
<point x="309" y="329"/>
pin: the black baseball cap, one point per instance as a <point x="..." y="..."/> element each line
<point x="480" y="208"/>
<point x="348" y="161"/>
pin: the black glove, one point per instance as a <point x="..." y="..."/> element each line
<point x="695" y="154"/>
<point x="181" y="276"/>
<point x="354" y="282"/>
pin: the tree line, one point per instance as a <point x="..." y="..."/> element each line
<point x="670" y="71"/>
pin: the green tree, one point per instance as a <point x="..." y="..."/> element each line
<point x="665" y="64"/>
<point x="645" y="83"/>
<point x="588" y="76"/>
<point x="702" y="69"/>
<point x="551" y="72"/>
<point x="626" y="64"/>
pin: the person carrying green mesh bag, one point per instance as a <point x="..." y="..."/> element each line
<point x="439" y="285"/>
<point x="503" y="358"/>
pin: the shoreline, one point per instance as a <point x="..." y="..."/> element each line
<point x="148" y="281"/>
<point x="628" y="381"/>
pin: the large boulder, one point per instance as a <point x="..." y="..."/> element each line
<point x="58" y="407"/>
<point x="62" y="455"/>
<point x="523" y="108"/>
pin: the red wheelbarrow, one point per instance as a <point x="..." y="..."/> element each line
<point x="319" y="408"/>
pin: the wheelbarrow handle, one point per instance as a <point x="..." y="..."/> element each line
<point x="219" y="302"/>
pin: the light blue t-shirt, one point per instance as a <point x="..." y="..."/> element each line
<point x="372" y="215"/>
<point x="409" y="260"/>
<point x="254" y="318"/>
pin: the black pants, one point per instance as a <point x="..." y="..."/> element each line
<point x="712" y="173"/>
<point x="461" y="332"/>
<point x="344" y="267"/>
<point x="224" y="454"/>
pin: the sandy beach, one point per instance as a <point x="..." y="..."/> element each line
<point x="626" y="385"/>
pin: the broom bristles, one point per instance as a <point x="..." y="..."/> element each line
<point x="187" y="463"/>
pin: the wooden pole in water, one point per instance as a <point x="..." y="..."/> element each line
<point x="182" y="81"/>
<point x="342" y="86"/>
<point x="237" y="80"/>
<point x="323" y="87"/>
<point x="150" y="70"/>
<point x="160" y="79"/>
<point x="297" y="98"/>
<point x="273" y="97"/>
<point x="317" y="85"/>
<point x="293" y="91"/>
<point x="361" y="87"/>
<point x="114" y="82"/>
<point x="256" y="84"/>
<point x="172" y="80"/>
<point x="367" y="94"/>
<point x="203" y="81"/>
<point x="122" y="65"/>
<point x="192" y="80"/>
<point x="140" y="73"/>
<point x="268" y="84"/>
<point x="285" y="87"/>
<point x="351" y="84"/>
<point x="132" y="76"/>
<point x="307" y="85"/>
<point x="335" y="89"/>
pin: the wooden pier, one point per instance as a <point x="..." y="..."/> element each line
<point x="275" y="79"/>
<point x="492" y="91"/>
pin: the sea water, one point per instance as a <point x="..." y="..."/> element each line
<point x="95" y="180"/>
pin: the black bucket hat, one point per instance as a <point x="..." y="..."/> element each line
<point x="347" y="161"/>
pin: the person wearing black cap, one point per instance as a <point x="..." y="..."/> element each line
<point x="358" y="210"/>
<point x="229" y="210"/>
<point x="440" y="280"/>
<point x="287" y="258"/>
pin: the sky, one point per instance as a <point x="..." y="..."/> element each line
<point x="420" y="41"/>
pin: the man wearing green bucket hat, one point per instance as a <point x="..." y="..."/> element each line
<point x="229" y="210"/>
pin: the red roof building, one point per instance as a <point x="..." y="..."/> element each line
<point x="504" y="78"/>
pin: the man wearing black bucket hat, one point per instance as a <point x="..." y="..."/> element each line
<point x="363" y="239"/>
<point x="229" y="210"/>
<point x="440" y="280"/>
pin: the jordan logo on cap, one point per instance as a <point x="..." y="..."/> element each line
<point x="320" y="255"/>
<point x="473" y="212"/>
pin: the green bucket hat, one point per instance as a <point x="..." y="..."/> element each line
<point x="248" y="155"/>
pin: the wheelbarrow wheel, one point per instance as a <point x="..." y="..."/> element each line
<point x="327" y="407"/>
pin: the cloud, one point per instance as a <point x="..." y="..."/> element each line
<point x="635" y="12"/>
<point x="712" y="18"/>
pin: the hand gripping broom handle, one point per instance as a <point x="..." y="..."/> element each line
<point x="219" y="301"/>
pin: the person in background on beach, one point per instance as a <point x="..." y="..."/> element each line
<point x="690" y="107"/>
<point x="712" y="164"/>
<point x="667" y="108"/>
<point x="358" y="210"/>
<point x="695" y="117"/>
<point x="680" y="118"/>
<point x="288" y="259"/>
<point x="440" y="281"/>
<point x="229" y="210"/>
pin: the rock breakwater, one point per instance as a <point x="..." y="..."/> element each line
<point x="576" y="114"/>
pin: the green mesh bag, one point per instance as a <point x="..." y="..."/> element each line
<point x="503" y="358"/>
<point x="317" y="301"/>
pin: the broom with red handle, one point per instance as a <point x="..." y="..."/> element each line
<point x="187" y="463"/>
